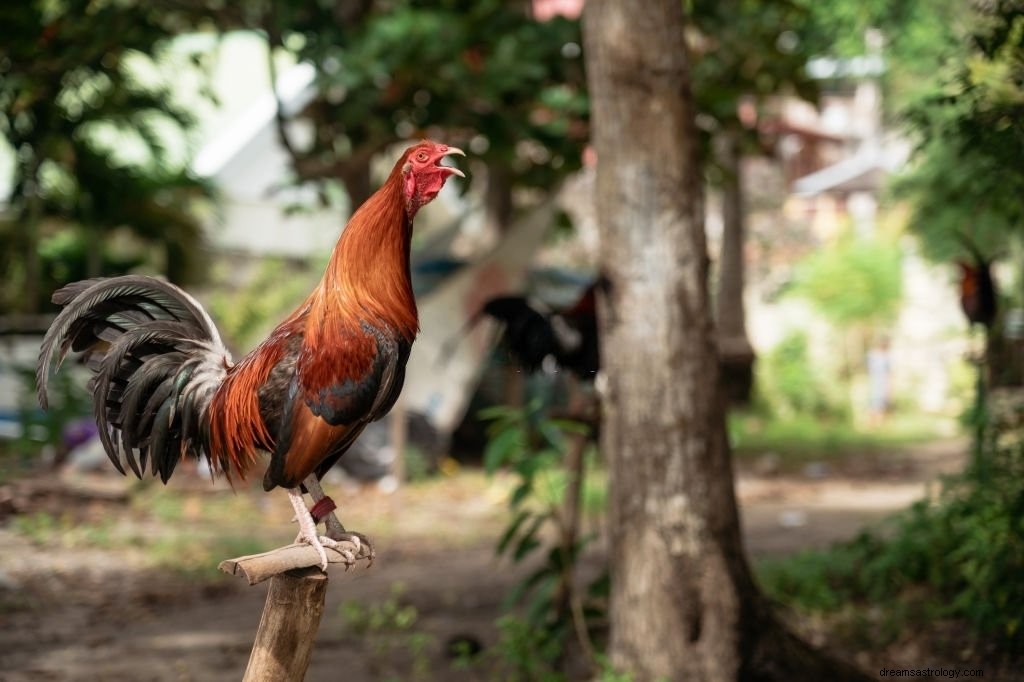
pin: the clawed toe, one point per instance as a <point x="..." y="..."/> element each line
<point x="341" y="546"/>
<point x="364" y="548"/>
<point x="346" y="554"/>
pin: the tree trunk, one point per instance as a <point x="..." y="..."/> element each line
<point x="683" y="601"/>
<point x="31" y="293"/>
<point x="357" y="180"/>
<point x="498" y="203"/>
<point x="735" y="353"/>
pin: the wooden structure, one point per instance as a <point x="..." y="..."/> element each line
<point x="291" y="615"/>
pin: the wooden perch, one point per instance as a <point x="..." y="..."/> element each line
<point x="291" y="617"/>
<point x="295" y="603"/>
<point x="259" y="567"/>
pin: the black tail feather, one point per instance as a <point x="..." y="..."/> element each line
<point x="157" y="360"/>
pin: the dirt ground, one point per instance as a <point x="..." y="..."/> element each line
<point x="71" y="611"/>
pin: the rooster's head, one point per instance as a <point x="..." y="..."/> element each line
<point x="423" y="176"/>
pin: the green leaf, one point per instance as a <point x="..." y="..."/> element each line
<point x="528" y="542"/>
<point x="499" y="412"/>
<point x="512" y="529"/>
<point x="520" y="493"/>
<point x="500" y="448"/>
<point x="570" y="426"/>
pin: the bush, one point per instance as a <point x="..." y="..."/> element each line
<point x="966" y="550"/>
<point x="790" y="384"/>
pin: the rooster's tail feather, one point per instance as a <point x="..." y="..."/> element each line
<point x="157" y="360"/>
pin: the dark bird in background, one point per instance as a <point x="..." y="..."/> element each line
<point x="165" y="387"/>
<point x="531" y="336"/>
<point x="978" y="295"/>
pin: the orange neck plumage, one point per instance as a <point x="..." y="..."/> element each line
<point x="368" y="277"/>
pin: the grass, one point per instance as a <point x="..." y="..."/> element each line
<point x="188" y="527"/>
<point x="42" y="528"/>
<point x="801" y="439"/>
<point x="14" y="462"/>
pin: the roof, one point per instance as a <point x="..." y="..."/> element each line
<point x="294" y="88"/>
<point x="862" y="172"/>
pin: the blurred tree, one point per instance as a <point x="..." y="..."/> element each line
<point x="858" y="281"/>
<point x="679" y="575"/>
<point x="857" y="285"/>
<point x="751" y="53"/>
<point x="482" y="71"/>
<point x="89" y="137"/>
<point x="917" y="36"/>
<point x="967" y="180"/>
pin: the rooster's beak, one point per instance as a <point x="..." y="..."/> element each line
<point x="452" y="169"/>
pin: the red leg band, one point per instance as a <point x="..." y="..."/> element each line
<point x="322" y="508"/>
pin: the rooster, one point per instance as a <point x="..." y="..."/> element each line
<point x="978" y="291"/>
<point x="978" y="294"/>
<point x="165" y="387"/>
<point x="530" y="336"/>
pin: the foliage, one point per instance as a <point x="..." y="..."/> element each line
<point x="485" y="73"/>
<point x="857" y="282"/>
<point x="750" y="52"/>
<point x="244" y="312"/>
<point x="919" y="39"/>
<point x="68" y="402"/>
<point x="789" y="383"/>
<point x="527" y="652"/>
<point x="387" y="628"/>
<point x="801" y="438"/>
<point x="967" y="178"/>
<point x="531" y="446"/>
<point x="966" y="549"/>
<point x="90" y="139"/>
<point x="961" y="193"/>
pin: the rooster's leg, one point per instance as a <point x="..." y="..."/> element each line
<point x="335" y="530"/>
<point x="308" y="534"/>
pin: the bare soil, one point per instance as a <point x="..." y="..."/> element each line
<point x="70" y="610"/>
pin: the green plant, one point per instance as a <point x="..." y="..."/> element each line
<point x="965" y="551"/>
<point x="389" y="628"/>
<point x="547" y="457"/>
<point x="858" y="281"/>
<point x="44" y="528"/>
<point x="245" y="313"/>
<point x="69" y="400"/>
<point x="527" y="653"/>
<point x="790" y="384"/>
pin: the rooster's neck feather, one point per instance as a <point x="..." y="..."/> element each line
<point x="368" y="277"/>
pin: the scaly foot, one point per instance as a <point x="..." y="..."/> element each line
<point x="308" y="534"/>
<point x="323" y="509"/>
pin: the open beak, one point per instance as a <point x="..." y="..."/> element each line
<point x="452" y="169"/>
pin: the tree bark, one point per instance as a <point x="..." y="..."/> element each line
<point x="498" y="203"/>
<point x="30" y="299"/>
<point x="683" y="601"/>
<point x="735" y="353"/>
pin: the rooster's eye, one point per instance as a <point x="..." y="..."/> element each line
<point x="422" y="156"/>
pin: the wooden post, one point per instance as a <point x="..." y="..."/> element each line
<point x="291" y="614"/>
<point x="291" y="617"/>
<point x="398" y="433"/>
